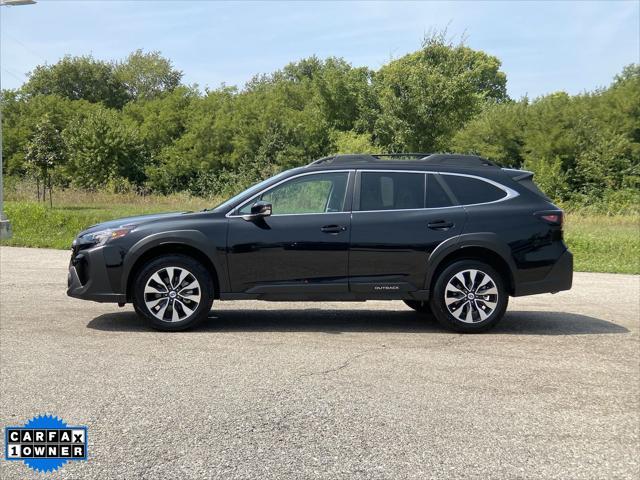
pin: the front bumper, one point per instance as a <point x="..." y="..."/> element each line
<point x="559" y="278"/>
<point x="89" y="279"/>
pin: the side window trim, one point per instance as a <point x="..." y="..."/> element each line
<point x="346" y="208"/>
<point x="510" y="193"/>
<point x="358" y="185"/>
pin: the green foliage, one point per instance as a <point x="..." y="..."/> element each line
<point x="78" y="78"/>
<point x="45" y="151"/>
<point x="496" y="133"/>
<point x="146" y="76"/>
<point x="132" y="125"/>
<point x="426" y="96"/>
<point x="20" y="116"/>
<point x="581" y="148"/>
<point x="352" y="142"/>
<point x="102" y="147"/>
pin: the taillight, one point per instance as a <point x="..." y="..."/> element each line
<point x="552" y="218"/>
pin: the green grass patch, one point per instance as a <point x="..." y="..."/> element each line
<point x="604" y="243"/>
<point x="35" y="225"/>
<point x="599" y="243"/>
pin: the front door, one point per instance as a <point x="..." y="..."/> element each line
<point x="399" y="218"/>
<point x="302" y="247"/>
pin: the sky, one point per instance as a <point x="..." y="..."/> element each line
<point x="544" y="47"/>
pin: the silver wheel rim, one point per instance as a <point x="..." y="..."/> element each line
<point x="471" y="296"/>
<point x="172" y="294"/>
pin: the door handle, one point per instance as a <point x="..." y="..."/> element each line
<point x="440" y="225"/>
<point x="333" y="229"/>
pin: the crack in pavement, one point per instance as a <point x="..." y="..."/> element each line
<point x="345" y="364"/>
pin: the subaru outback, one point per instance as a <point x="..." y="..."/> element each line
<point x="453" y="236"/>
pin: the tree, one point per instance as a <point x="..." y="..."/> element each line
<point x="21" y="114"/>
<point x="102" y="147"/>
<point x="78" y="78"/>
<point x="344" y="94"/>
<point x="427" y="96"/>
<point x="496" y="133"/>
<point x="132" y="122"/>
<point x="352" y="142"/>
<point x="580" y="147"/>
<point x="147" y="75"/>
<point x="45" y="151"/>
<point x="163" y="120"/>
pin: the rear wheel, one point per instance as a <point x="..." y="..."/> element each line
<point x="420" y="306"/>
<point x="469" y="296"/>
<point x="173" y="292"/>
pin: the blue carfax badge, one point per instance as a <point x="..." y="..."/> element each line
<point x="45" y="443"/>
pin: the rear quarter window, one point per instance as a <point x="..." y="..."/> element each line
<point x="472" y="190"/>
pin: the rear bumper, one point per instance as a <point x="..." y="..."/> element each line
<point x="88" y="278"/>
<point x="559" y="278"/>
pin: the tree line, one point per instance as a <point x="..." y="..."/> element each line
<point x="134" y="125"/>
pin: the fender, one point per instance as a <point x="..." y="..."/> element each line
<point x="487" y="240"/>
<point x="190" y="238"/>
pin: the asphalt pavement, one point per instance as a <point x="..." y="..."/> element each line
<point x="325" y="390"/>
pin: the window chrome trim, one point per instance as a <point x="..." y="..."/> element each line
<point x="510" y="193"/>
<point x="239" y="207"/>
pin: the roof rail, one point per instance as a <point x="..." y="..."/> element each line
<point x="459" y="160"/>
<point x="355" y="158"/>
<point x="432" y="158"/>
<point x="402" y="155"/>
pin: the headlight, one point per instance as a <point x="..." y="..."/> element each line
<point x="103" y="236"/>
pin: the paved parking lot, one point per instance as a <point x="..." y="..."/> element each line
<point x="333" y="390"/>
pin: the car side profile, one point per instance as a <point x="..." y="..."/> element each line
<point x="451" y="235"/>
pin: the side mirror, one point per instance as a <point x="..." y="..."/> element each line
<point x="258" y="210"/>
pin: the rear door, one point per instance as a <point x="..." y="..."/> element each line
<point x="398" y="219"/>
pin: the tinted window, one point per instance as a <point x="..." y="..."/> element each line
<point x="436" y="196"/>
<point x="319" y="193"/>
<point x="391" y="190"/>
<point x="471" y="190"/>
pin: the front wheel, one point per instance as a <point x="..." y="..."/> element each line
<point x="469" y="296"/>
<point x="172" y="293"/>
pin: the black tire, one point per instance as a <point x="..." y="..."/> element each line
<point x="183" y="318"/>
<point x="470" y="306"/>
<point x="420" y="306"/>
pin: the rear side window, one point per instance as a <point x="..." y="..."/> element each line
<point x="436" y="196"/>
<point x="472" y="190"/>
<point x="391" y="190"/>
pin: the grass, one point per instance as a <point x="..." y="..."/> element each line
<point x="604" y="243"/>
<point x="599" y="243"/>
<point x="35" y="224"/>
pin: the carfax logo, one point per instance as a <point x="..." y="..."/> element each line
<point x="45" y="443"/>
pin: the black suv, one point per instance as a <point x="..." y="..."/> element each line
<point x="451" y="235"/>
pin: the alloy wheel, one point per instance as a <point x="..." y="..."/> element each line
<point x="172" y="294"/>
<point x="471" y="296"/>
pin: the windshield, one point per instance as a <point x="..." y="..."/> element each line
<point x="248" y="192"/>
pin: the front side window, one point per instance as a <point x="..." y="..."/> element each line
<point x="391" y="190"/>
<point x="317" y="193"/>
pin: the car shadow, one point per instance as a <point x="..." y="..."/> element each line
<point x="341" y="321"/>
